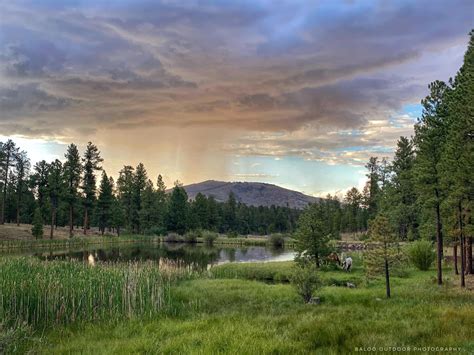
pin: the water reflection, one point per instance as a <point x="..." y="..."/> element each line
<point x="197" y="257"/>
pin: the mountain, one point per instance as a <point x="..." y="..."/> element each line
<point x="251" y="193"/>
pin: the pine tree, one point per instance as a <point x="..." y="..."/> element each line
<point x="313" y="234"/>
<point x="9" y="151"/>
<point x="55" y="190"/>
<point x="201" y="211"/>
<point x="37" y="229"/>
<point x="177" y="218"/>
<point x="372" y="186"/>
<point x="22" y="171"/>
<point x="91" y="164"/>
<point x="118" y="215"/>
<point x="161" y="203"/>
<point x="125" y="193"/>
<point x="402" y="200"/>
<point x="213" y="214"/>
<point x="429" y="141"/>
<point x="383" y="251"/>
<point x="72" y="177"/>
<point x="230" y="213"/>
<point x="353" y="211"/>
<point x="457" y="159"/>
<point x="39" y="180"/>
<point x="148" y="216"/>
<point x="139" y="183"/>
<point x="104" y="202"/>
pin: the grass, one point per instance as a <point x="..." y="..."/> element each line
<point x="69" y="307"/>
<point x="13" y="237"/>
<point x="241" y="316"/>
<point x="43" y="294"/>
<point x="237" y="315"/>
<point x="281" y="272"/>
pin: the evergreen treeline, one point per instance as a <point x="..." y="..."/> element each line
<point x="430" y="193"/>
<point x="67" y="194"/>
<point x="427" y="191"/>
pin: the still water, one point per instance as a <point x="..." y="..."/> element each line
<point x="187" y="255"/>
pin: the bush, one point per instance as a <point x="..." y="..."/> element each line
<point x="209" y="237"/>
<point x="306" y="281"/>
<point x="173" y="238"/>
<point x="277" y="240"/>
<point x="421" y="254"/>
<point x="191" y="236"/>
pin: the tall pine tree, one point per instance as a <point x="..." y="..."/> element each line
<point x="430" y="133"/>
<point x="91" y="164"/>
<point x="72" y="177"/>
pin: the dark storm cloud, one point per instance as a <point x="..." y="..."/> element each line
<point x="294" y="67"/>
<point x="29" y="99"/>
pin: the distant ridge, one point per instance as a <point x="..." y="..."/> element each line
<point x="251" y="193"/>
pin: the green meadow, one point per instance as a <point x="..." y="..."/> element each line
<point x="232" y="308"/>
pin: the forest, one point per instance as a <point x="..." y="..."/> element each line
<point x="78" y="193"/>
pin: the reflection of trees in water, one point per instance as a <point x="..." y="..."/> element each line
<point x="275" y="251"/>
<point x="230" y="254"/>
<point x="196" y="257"/>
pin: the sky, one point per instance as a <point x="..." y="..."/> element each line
<point x="294" y="93"/>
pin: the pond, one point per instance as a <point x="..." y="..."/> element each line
<point x="198" y="257"/>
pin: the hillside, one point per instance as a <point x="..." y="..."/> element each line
<point x="251" y="193"/>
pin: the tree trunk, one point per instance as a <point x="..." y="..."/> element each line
<point x="86" y="217"/>
<point x="467" y="268"/>
<point x="439" y="242"/>
<point x="7" y="165"/>
<point x="53" y="221"/>
<point x="387" y="279"/>
<point x="118" y="231"/>
<point x="71" y="221"/>
<point x="463" y="261"/>
<point x="469" y="255"/>
<point x="18" y="210"/>
<point x="455" y="256"/>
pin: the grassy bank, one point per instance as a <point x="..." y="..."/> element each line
<point x="281" y="272"/>
<point x="26" y="244"/>
<point x="237" y="315"/>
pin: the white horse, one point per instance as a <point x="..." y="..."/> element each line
<point x="347" y="264"/>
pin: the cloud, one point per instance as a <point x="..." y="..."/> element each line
<point x="325" y="81"/>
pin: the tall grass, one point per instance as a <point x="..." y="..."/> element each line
<point x="59" y="292"/>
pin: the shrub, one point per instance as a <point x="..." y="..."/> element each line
<point x="191" y="236"/>
<point x="421" y="254"/>
<point x="277" y="240"/>
<point x="209" y="237"/>
<point x="306" y="281"/>
<point x="173" y="238"/>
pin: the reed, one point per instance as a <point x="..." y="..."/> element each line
<point x="58" y="292"/>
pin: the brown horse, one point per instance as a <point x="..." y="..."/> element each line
<point x="333" y="258"/>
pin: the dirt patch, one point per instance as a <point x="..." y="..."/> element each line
<point x="11" y="231"/>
